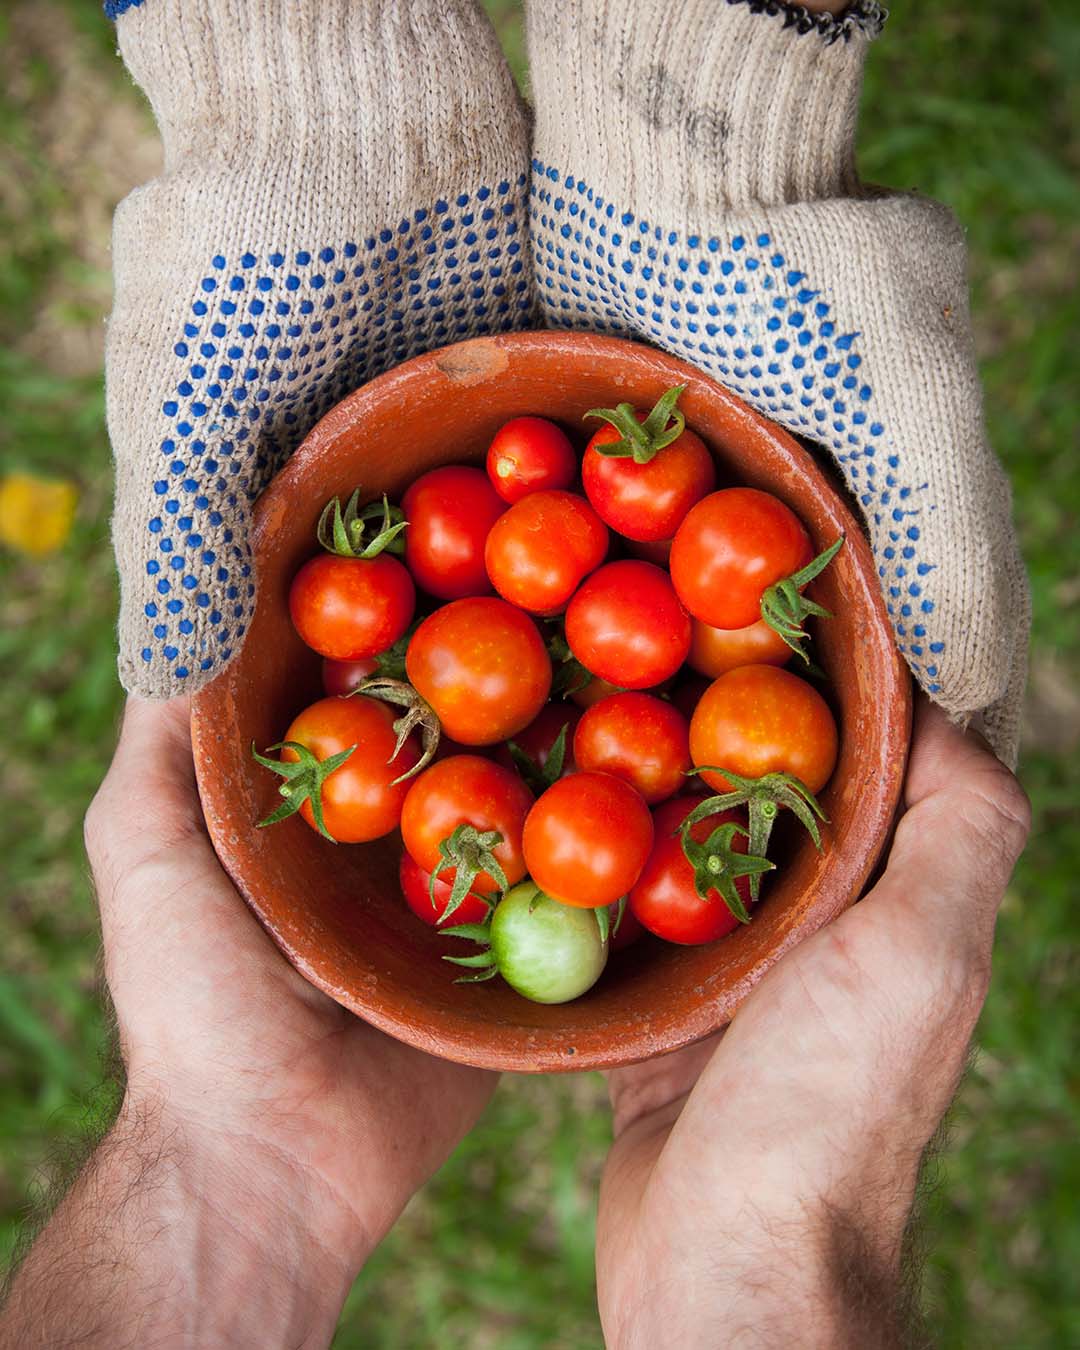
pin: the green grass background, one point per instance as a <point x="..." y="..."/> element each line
<point x="973" y="104"/>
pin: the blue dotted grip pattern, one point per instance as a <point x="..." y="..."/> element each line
<point x="272" y="343"/>
<point x="739" y="309"/>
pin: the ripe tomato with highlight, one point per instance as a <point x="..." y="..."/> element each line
<point x="482" y="665"/>
<point x="639" y="738"/>
<point x="587" y="838"/>
<point x="647" y="501"/>
<point x="467" y="790"/>
<point x="761" y="719"/>
<point x="626" y="625"/>
<point x="450" y="512"/>
<point x="360" y="800"/>
<point x="351" y="608"/>
<point x="715" y="651"/>
<point x="530" y="454"/>
<point x="732" y="546"/>
<point x="539" y="551"/>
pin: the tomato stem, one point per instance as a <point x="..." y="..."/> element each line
<point x="785" y="609"/>
<point x="304" y="778"/>
<point x="717" y="864"/>
<point x="482" y="961"/>
<point x="344" y="531"/>
<point x="569" y="675"/>
<point x="469" y="852"/>
<point x="762" y="797"/>
<point x="642" y="441"/>
<point x="540" y="777"/>
<point x="418" y="713"/>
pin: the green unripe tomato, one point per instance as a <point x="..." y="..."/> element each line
<point x="548" y="952"/>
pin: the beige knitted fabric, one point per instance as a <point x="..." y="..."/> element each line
<point x="694" y="185"/>
<point x="344" y="186"/>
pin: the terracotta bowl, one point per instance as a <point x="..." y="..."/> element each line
<point x="336" y="912"/>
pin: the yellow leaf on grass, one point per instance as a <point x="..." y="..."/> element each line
<point x="36" y="514"/>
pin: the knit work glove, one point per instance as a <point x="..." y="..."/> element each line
<point x="694" y="185"/>
<point x="344" y="186"/>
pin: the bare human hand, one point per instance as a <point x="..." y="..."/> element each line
<point x="760" y="1183"/>
<point x="267" y="1140"/>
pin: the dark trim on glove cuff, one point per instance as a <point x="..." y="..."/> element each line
<point x="866" y="16"/>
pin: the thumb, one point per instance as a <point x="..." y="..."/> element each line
<point x="965" y="824"/>
<point x="148" y="800"/>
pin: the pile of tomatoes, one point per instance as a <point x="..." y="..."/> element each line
<point x="563" y="681"/>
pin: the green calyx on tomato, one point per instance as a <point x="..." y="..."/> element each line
<point x="304" y="778"/>
<point x="716" y="864"/>
<point x="569" y="676"/>
<point x="483" y="962"/>
<point x="469" y="852"/>
<point x="785" y="609"/>
<point x="418" y="713"/>
<point x="390" y="664"/>
<point x="538" y="776"/>
<point x="346" y="532"/>
<point x="763" y="798"/>
<point x="642" y="440"/>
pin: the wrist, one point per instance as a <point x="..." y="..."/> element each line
<point x="818" y="1278"/>
<point x="718" y="106"/>
<point x="245" y="1247"/>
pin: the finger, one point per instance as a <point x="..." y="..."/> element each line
<point x="148" y="799"/>
<point x="966" y="822"/>
<point x="641" y="1089"/>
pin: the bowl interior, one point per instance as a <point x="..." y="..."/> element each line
<point x="337" y="912"/>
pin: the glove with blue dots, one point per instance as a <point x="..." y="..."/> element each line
<point x="693" y="184"/>
<point x="344" y="185"/>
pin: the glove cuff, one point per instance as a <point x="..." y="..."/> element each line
<point x="720" y="105"/>
<point x="258" y="89"/>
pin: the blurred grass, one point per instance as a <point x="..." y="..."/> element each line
<point x="977" y="107"/>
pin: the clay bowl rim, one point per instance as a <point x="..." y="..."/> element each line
<point x="470" y="362"/>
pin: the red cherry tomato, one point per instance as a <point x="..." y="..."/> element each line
<point x="530" y="454"/>
<point x="467" y="790"/>
<point x="537" y="739"/>
<point x="482" y="666"/>
<point x="636" y="737"/>
<point x="342" y="677"/>
<point x="730" y="548"/>
<point x="647" y="502"/>
<point x="349" y="608"/>
<point x="626" y="625"/>
<point x="450" y="512"/>
<point x="539" y="551"/>
<point x="360" y="800"/>
<point x="715" y="651"/>
<point x="415" y="884"/>
<point x="761" y="719"/>
<point x="586" y="839"/>
<point x="664" y="899"/>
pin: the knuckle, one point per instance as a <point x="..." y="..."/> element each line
<point x="959" y="990"/>
<point x="998" y="812"/>
<point x="94" y="829"/>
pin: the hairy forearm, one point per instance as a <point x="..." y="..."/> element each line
<point x="821" y="1283"/>
<point x="164" y="1242"/>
